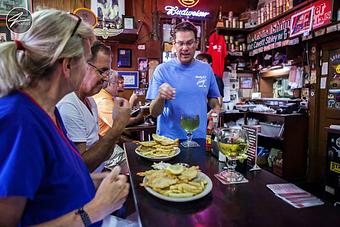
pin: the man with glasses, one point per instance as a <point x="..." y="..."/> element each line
<point x="182" y="86"/>
<point x="105" y="101"/>
<point x="80" y="115"/>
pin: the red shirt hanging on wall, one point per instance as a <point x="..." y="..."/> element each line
<point x="218" y="50"/>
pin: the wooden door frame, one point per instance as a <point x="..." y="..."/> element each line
<point x="318" y="112"/>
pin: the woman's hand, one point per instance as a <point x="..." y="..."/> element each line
<point x="97" y="178"/>
<point x="110" y="196"/>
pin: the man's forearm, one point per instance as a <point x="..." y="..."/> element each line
<point x="156" y="106"/>
<point x="101" y="150"/>
<point x="135" y="120"/>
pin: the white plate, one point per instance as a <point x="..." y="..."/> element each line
<point x="207" y="189"/>
<point x="177" y="151"/>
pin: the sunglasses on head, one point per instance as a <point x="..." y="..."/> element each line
<point x="77" y="24"/>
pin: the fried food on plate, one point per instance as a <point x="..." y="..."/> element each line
<point x="174" y="181"/>
<point x="165" y="140"/>
<point x="189" y="173"/>
<point x="158" y="148"/>
<point x="147" y="143"/>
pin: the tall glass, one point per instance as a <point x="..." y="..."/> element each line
<point x="233" y="144"/>
<point x="189" y="122"/>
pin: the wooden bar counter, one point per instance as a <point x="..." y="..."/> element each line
<point x="144" y="131"/>
<point x="247" y="204"/>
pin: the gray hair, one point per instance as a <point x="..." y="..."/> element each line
<point x="48" y="40"/>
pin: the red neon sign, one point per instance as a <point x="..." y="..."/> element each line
<point x="188" y="3"/>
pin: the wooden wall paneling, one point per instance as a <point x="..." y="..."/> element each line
<point x="67" y="5"/>
<point x="144" y="12"/>
<point x="313" y="129"/>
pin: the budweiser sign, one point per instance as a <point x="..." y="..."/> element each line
<point x="175" y="11"/>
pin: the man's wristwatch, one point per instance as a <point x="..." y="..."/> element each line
<point x="84" y="217"/>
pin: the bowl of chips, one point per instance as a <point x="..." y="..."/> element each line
<point x="159" y="149"/>
<point x="176" y="183"/>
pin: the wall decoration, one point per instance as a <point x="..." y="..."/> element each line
<point x="128" y="22"/>
<point x="8" y="5"/>
<point x="5" y="33"/>
<point x="246" y="82"/>
<point x="301" y="22"/>
<point x="277" y="33"/>
<point x="131" y="79"/>
<point x="140" y="92"/>
<point x="142" y="64"/>
<point x="124" y="58"/>
<point x="334" y="80"/>
<point x="87" y="15"/>
<point x="109" y="12"/>
<point x="3" y="37"/>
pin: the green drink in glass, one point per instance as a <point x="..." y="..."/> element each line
<point x="189" y="122"/>
<point x="233" y="143"/>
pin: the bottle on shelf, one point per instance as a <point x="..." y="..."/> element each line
<point x="279" y="7"/>
<point x="268" y="11"/>
<point x="220" y="23"/>
<point x="287" y="5"/>
<point x="274" y="14"/>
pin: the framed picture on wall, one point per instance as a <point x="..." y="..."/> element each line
<point x="246" y="82"/>
<point x="128" y="22"/>
<point x="124" y="58"/>
<point x="8" y="5"/>
<point x="142" y="64"/>
<point x="109" y="11"/>
<point x="3" y="37"/>
<point x="5" y="33"/>
<point x="131" y="79"/>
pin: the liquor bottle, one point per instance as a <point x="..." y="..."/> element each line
<point x="274" y="13"/>
<point x="212" y="126"/>
<point x="208" y="142"/>
<point x="287" y="5"/>
<point x="279" y="7"/>
<point x="220" y="23"/>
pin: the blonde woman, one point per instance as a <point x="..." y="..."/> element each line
<point x="43" y="177"/>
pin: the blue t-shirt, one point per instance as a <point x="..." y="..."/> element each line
<point x="194" y="83"/>
<point x="38" y="162"/>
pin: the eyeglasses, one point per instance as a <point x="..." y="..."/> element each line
<point x="100" y="71"/>
<point x="77" y="25"/>
<point x="189" y="44"/>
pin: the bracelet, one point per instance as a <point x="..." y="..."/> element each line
<point x="84" y="217"/>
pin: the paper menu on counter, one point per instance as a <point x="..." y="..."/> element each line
<point x="294" y="195"/>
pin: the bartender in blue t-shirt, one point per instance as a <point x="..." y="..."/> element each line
<point x="182" y="85"/>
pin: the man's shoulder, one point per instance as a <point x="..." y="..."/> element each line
<point x="166" y="65"/>
<point x="70" y="97"/>
<point x="69" y="105"/>
<point x="103" y="94"/>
